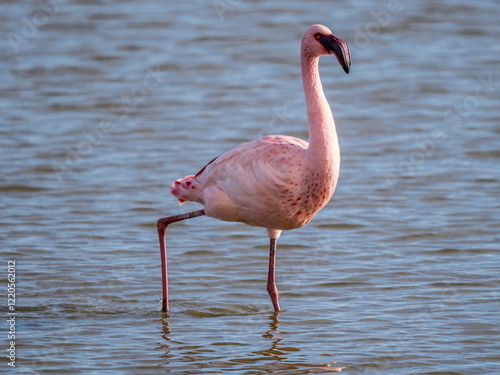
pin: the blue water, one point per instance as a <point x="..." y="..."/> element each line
<point x="103" y="105"/>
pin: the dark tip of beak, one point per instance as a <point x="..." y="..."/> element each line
<point x="339" y="48"/>
<point x="347" y="67"/>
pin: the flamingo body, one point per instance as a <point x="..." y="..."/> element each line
<point x="264" y="183"/>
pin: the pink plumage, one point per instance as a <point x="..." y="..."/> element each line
<point x="264" y="183"/>
<point x="277" y="182"/>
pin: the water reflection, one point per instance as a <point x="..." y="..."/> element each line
<point x="274" y="326"/>
<point x="282" y="353"/>
<point x="233" y="335"/>
<point x="273" y="334"/>
<point x="167" y="346"/>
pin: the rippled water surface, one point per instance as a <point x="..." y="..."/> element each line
<point x="104" y="104"/>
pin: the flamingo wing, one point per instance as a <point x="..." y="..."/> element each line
<point x="255" y="181"/>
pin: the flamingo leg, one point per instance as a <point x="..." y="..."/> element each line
<point x="271" y="283"/>
<point x="162" y="231"/>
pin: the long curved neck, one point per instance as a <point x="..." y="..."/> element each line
<point x="323" y="150"/>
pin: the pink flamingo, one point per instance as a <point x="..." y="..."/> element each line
<point x="276" y="182"/>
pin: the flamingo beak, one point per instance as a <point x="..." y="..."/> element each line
<point x="339" y="48"/>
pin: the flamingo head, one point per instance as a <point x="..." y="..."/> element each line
<point x="319" y="40"/>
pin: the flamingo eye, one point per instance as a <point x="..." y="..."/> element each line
<point x="317" y="36"/>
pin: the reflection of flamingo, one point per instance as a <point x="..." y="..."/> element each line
<point x="276" y="182"/>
